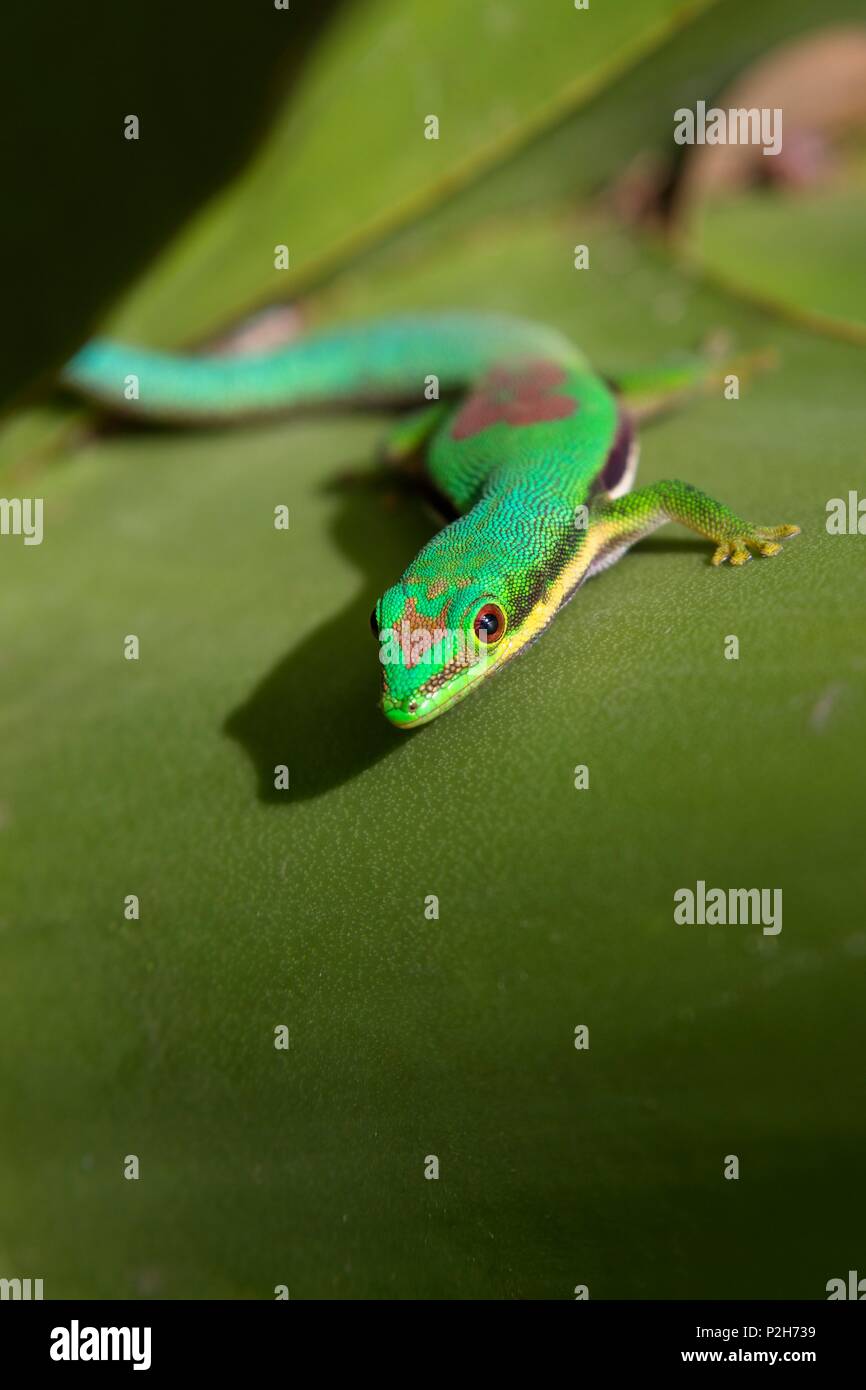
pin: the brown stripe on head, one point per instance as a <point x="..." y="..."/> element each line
<point x="418" y="623"/>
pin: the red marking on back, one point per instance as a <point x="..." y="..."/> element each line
<point x="515" y="396"/>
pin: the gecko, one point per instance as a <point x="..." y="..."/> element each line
<point x="532" y="452"/>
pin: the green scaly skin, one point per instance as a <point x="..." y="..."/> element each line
<point x="536" y="459"/>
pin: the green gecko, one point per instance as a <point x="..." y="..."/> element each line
<point x="536" y="458"/>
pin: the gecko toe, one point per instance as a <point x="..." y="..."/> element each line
<point x="764" y="540"/>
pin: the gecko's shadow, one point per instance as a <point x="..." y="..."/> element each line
<point x="317" y="710"/>
<point x="673" y="545"/>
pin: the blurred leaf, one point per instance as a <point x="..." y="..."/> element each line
<point x="347" y="160"/>
<point x="621" y="126"/>
<point x="625" y="127"/>
<point x="788" y="229"/>
<point x="87" y="209"/>
<point x="455" y="1037"/>
<point x="801" y="253"/>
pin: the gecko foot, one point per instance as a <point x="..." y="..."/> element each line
<point x="765" y="539"/>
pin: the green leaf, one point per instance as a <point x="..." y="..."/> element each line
<point x="347" y="160"/>
<point x="783" y="220"/>
<point x="454" y="1037"/>
<point x="801" y="253"/>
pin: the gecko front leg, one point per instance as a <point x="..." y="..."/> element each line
<point x="622" y="521"/>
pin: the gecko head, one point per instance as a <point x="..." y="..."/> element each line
<point x="435" y="643"/>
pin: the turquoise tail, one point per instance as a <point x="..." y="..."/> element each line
<point x="386" y="360"/>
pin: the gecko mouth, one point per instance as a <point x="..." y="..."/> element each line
<point x="420" y="709"/>
<point x="407" y="714"/>
<point x="434" y="697"/>
<point x="424" y="705"/>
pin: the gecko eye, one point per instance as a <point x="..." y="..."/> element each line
<point x="489" y="624"/>
<point x="374" y="623"/>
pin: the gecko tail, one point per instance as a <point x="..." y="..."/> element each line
<point x="384" y="361"/>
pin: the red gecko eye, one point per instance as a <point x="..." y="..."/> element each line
<point x="489" y="624"/>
